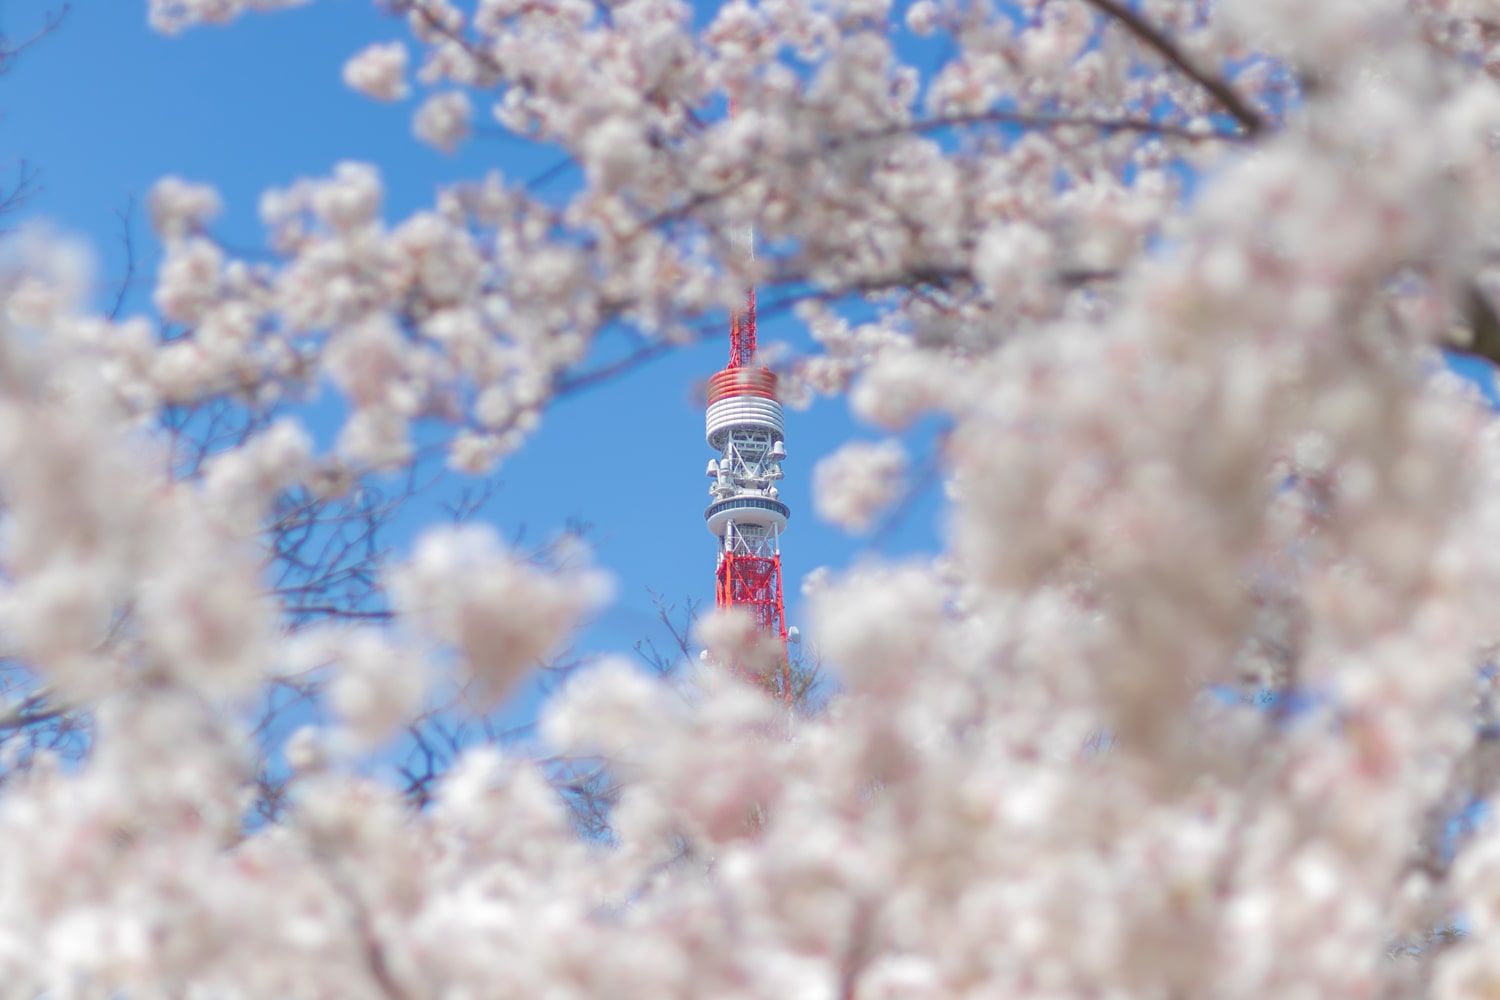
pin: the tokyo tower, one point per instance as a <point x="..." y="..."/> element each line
<point x="745" y="429"/>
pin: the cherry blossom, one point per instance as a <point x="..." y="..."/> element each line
<point x="856" y="482"/>
<point x="443" y="120"/>
<point x="1196" y="702"/>
<point x="379" y="72"/>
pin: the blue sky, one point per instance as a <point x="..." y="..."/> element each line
<point x="105" y="107"/>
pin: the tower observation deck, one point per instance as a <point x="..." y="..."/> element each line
<point x="745" y="428"/>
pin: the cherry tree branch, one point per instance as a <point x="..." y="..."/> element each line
<point x="126" y="217"/>
<point x="33" y="710"/>
<point x="1104" y="123"/>
<point x="1154" y="38"/>
<point x="366" y="934"/>
<point x="25" y="187"/>
<point x="51" y="21"/>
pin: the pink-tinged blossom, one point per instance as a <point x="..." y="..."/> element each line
<point x="439" y="260"/>
<point x="899" y="386"/>
<point x="377" y="687"/>
<point x="443" y="120"/>
<point x="34" y="304"/>
<point x="501" y="612"/>
<point x="922" y="17"/>
<point x="475" y="454"/>
<point x="207" y="623"/>
<point x="605" y="709"/>
<point x="379" y="71"/>
<point x="855" y="484"/>
<point x="731" y="636"/>
<point x="172" y="16"/>
<point x="179" y="207"/>
<point x="376" y="437"/>
<point x="242" y="482"/>
<point x="888" y="622"/>
<point x="349" y="199"/>
<point x="188" y="284"/>
<point x="1014" y="263"/>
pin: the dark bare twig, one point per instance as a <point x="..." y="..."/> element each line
<point x="51" y="21"/>
<point x="605" y="372"/>
<point x="908" y="280"/>
<point x="680" y="632"/>
<point x="126" y="216"/>
<point x="469" y="502"/>
<point x="34" y="710"/>
<point x="1249" y="119"/>
<point x="921" y="480"/>
<point x="857" y="955"/>
<point x="1103" y="123"/>
<point x="25" y="188"/>
<point x="553" y="172"/>
<point x="363" y="925"/>
<point x="1484" y="324"/>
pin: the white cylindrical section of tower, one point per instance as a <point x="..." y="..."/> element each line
<point x="746" y="512"/>
<point x="743" y="411"/>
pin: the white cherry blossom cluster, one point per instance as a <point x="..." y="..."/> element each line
<point x="503" y="613"/>
<point x="1173" y="272"/>
<point x="855" y="484"/>
<point x="172" y="16"/>
<point x="379" y="71"/>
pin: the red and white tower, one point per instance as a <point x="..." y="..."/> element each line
<point x="745" y="428"/>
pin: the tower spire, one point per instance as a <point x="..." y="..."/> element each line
<point x="742" y="326"/>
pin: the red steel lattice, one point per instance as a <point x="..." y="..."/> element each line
<point x="753" y="583"/>
<point x="742" y="335"/>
